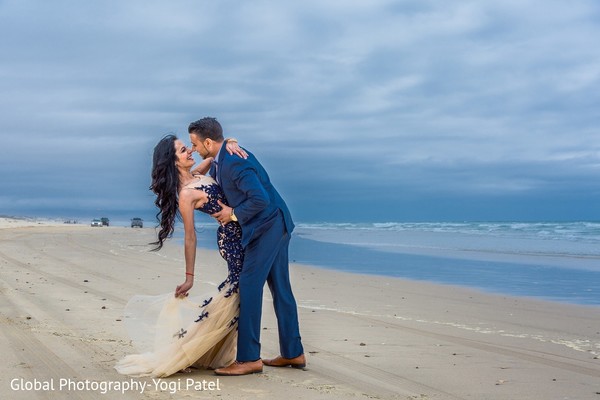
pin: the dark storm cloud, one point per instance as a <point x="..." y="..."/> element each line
<point x="410" y="100"/>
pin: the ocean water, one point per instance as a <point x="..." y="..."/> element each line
<point x="557" y="261"/>
<point x="550" y="260"/>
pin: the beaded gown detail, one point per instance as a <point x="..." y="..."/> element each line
<point x="175" y="333"/>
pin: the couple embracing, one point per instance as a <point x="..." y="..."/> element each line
<point x="221" y="332"/>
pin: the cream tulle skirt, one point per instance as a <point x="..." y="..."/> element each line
<point x="172" y="334"/>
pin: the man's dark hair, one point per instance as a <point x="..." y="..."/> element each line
<point x="207" y="127"/>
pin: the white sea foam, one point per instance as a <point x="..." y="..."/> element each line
<point x="583" y="231"/>
<point x="565" y="244"/>
<point x="577" y="344"/>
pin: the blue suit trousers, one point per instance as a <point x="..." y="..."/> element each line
<point x="266" y="260"/>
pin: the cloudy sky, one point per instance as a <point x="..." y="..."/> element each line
<point x="371" y="110"/>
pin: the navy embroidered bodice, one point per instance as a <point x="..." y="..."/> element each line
<point x="229" y="236"/>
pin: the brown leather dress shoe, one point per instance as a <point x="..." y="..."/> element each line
<point x="297" y="362"/>
<point x="241" y="368"/>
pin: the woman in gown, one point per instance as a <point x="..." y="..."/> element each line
<point x="185" y="333"/>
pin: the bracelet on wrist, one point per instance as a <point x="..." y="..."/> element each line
<point x="189" y="273"/>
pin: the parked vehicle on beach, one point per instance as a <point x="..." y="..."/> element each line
<point x="137" y="223"/>
<point x="105" y="221"/>
<point x="96" y="222"/>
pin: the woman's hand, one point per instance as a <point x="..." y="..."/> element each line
<point x="182" y="290"/>
<point x="233" y="148"/>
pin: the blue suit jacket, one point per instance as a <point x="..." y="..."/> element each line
<point x="249" y="191"/>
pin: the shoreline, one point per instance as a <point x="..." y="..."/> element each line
<point x="566" y="283"/>
<point x="64" y="288"/>
<point x="424" y="259"/>
<point x="423" y="266"/>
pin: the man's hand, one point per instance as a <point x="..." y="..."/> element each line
<point x="223" y="216"/>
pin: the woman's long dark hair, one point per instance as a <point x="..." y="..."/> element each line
<point x="165" y="184"/>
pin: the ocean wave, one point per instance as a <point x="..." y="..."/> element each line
<point x="584" y="231"/>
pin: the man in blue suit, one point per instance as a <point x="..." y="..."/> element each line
<point x="266" y="228"/>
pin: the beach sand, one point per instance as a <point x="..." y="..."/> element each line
<point x="63" y="289"/>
